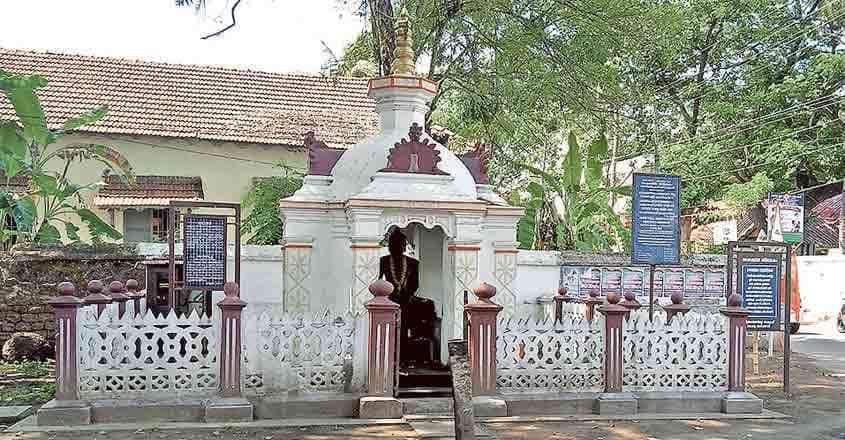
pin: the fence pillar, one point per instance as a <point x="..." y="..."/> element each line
<point x="736" y="399"/>
<point x="677" y="306"/>
<point x="134" y="295"/>
<point x="95" y="296"/>
<point x="482" y="340"/>
<point x="591" y="302"/>
<point x="561" y="298"/>
<point x="118" y="297"/>
<point x="231" y="406"/>
<point x="630" y="303"/>
<point x="613" y="400"/>
<point x="65" y="408"/>
<point x="382" y="349"/>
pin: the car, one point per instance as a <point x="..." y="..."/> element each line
<point x="840" y="320"/>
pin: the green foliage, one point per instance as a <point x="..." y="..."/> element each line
<point x="726" y="89"/>
<point x="30" y="394"/>
<point x="262" y="223"/>
<point x="30" y="369"/>
<point x="581" y="202"/>
<point x="27" y="146"/>
<point x="741" y="196"/>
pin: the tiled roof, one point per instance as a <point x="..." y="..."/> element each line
<point x="148" y="191"/>
<point x="823" y="225"/>
<point x="197" y="102"/>
<point x="16" y="185"/>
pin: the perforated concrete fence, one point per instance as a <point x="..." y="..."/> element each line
<point x="689" y="353"/>
<point x="145" y="355"/>
<point x="550" y="355"/>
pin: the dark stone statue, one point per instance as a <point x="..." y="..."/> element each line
<point x="416" y="341"/>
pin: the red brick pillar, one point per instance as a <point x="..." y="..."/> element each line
<point x="677" y="306"/>
<point x="614" y="315"/>
<point x="134" y="295"/>
<point x="482" y="340"/>
<point x="95" y="296"/>
<point x="230" y="341"/>
<point x="737" y="329"/>
<point x="591" y="302"/>
<point x="384" y="317"/>
<point x="118" y="297"/>
<point x="65" y="308"/>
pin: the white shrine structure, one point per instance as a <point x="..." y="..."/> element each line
<point x="335" y="226"/>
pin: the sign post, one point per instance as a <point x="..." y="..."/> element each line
<point x="760" y="267"/>
<point x="656" y="232"/>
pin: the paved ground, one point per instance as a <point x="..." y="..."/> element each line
<point x="824" y="343"/>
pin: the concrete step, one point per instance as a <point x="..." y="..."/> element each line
<point x="430" y="406"/>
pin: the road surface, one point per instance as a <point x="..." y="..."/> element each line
<point x="824" y="343"/>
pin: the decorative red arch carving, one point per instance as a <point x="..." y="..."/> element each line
<point x="321" y="157"/>
<point x="476" y="162"/>
<point x="413" y="155"/>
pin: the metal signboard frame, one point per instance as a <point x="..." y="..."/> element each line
<point x="638" y="255"/>
<point x="177" y="211"/>
<point x="784" y="251"/>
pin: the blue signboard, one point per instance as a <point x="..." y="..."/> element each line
<point x="759" y="276"/>
<point x="656" y="234"/>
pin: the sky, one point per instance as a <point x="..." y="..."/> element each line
<point x="271" y="35"/>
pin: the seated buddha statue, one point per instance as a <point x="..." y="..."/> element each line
<point x="418" y="318"/>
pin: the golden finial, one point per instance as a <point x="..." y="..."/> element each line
<point x="403" y="56"/>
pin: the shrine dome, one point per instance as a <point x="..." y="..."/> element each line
<point x="401" y="162"/>
<point x="401" y="107"/>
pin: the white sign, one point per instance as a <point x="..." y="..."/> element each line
<point x="724" y="231"/>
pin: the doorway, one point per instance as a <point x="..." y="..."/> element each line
<point x="422" y="371"/>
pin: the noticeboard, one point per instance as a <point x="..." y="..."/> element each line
<point x="692" y="282"/>
<point x="204" y="238"/>
<point x="656" y="232"/>
<point x="759" y="283"/>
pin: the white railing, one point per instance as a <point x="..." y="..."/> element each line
<point x="284" y="352"/>
<point x="137" y="355"/>
<point x="544" y="355"/>
<point x="687" y="354"/>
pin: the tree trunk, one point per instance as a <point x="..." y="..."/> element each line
<point x="384" y="34"/>
<point x="842" y="220"/>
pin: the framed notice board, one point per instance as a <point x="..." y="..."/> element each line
<point x="204" y="238"/>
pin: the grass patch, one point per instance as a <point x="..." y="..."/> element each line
<point x="31" y="394"/>
<point x="32" y="369"/>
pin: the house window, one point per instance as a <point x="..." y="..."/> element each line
<point x="146" y="225"/>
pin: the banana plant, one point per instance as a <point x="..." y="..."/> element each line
<point x="29" y="149"/>
<point x="580" y="198"/>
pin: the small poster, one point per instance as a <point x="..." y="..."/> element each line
<point x="673" y="281"/>
<point x="658" y="284"/>
<point x="714" y="283"/>
<point x="611" y="281"/>
<point x="590" y="281"/>
<point x="785" y="215"/>
<point x="694" y="283"/>
<point x="633" y="281"/>
<point x="571" y="280"/>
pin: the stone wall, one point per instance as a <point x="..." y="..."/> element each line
<point x="28" y="278"/>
